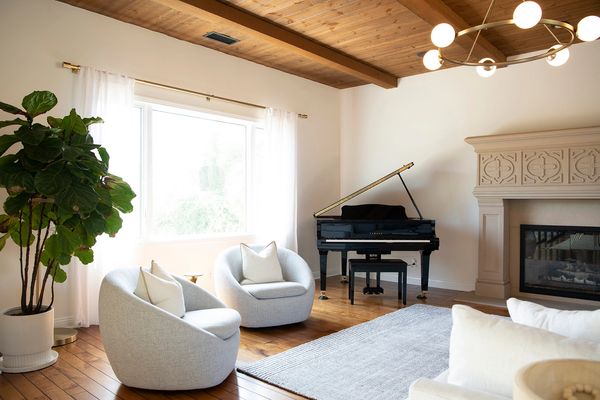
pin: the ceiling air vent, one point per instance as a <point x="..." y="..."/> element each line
<point x="221" y="37"/>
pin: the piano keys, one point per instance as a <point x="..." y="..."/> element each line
<point x="373" y="230"/>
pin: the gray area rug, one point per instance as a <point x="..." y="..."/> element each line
<point x="378" y="359"/>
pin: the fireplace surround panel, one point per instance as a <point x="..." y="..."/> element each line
<point x="561" y="165"/>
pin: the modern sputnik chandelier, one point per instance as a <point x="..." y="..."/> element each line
<point x="527" y="15"/>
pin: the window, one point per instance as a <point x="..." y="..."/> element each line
<point x="196" y="172"/>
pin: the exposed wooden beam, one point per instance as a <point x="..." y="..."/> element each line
<point x="436" y="11"/>
<point x="283" y="37"/>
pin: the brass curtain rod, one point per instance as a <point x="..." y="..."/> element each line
<point x="75" y="68"/>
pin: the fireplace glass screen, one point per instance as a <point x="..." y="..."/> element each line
<point x="561" y="261"/>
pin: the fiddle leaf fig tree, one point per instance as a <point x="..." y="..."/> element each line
<point x="61" y="196"/>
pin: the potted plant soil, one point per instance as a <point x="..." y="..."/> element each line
<point x="60" y="198"/>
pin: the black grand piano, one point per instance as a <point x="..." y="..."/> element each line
<point x="375" y="229"/>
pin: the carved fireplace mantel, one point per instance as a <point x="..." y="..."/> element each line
<point x="562" y="164"/>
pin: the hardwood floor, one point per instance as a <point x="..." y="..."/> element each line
<point x="83" y="372"/>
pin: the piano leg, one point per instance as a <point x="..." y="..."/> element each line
<point x="323" y="265"/>
<point x="344" y="267"/>
<point x="424" y="274"/>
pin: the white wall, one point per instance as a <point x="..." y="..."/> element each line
<point x="37" y="35"/>
<point x="426" y="119"/>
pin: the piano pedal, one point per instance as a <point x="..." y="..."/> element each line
<point x="423" y="295"/>
<point x="323" y="296"/>
<point x="344" y="279"/>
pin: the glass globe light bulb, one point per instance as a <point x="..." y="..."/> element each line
<point x="588" y="29"/>
<point x="432" y="60"/>
<point x="485" y="71"/>
<point x="443" y="35"/>
<point x="558" y="59"/>
<point x="527" y="14"/>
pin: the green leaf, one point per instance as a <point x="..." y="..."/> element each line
<point x="85" y="255"/>
<point x="6" y="141"/>
<point x="14" y="204"/>
<point x="78" y="199"/>
<point x="8" y="165"/>
<point x="16" y="121"/>
<point x="113" y="223"/>
<point x="54" y="122"/>
<point x="3" y="239"/>
<point x="22" y="239"/>
<point x="39" y="102"/>
<point x="78" y="140"/>
<point x="38" y="217"/>
<point x="70" y="236"/>
<point x="92" y="164"/>
<point x="72" y="222"/>
<point x="46" y="151"/>
<point x="104" y="156"/>
<point x="11" y="109"/>
<point x="58" y="274"/>
<point x="72" y="153"/>
<point x="21" y="181"/>
<point x="53" y="179"/>
<point x="87" y="239"/>
<point x="33" y="135"/>
<point x="74" y="123"/>
<point x="94" y="224"/>
<point x="5" y="222"/>
<point x="63" y="242"/>
<point x="120" y="193"/>
<point x="86" y="146"/>
<point x="92" y="120"/>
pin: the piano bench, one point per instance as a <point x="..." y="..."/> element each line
<point x="385" y="265"/>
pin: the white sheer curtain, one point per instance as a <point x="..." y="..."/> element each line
<point x="109" y="96"/>
<point x="274" y="206"/>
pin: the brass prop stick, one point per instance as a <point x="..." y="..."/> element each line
<point x="359" y="191"/>
<point x="75" y="68"/>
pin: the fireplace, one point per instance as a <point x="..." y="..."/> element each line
<point x="560" y="261"/>
<point x="542" y="178"/>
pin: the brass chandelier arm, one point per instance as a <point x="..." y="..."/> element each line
<point x="547" y="22"/>
<point x="487" y="13"/>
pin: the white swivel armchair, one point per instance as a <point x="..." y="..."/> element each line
<point x="266" y="304"/>
<point x="151" y="348"/>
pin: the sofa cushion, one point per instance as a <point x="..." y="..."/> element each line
<point x="275" y="290"/>
<point x="573" y="324"/>
<point x="221" y="322"/>
<point x="430" y="389"/>
<point x="159" y="288"/>
<point x="261" y="267"/>
<point x="486" y="351"/>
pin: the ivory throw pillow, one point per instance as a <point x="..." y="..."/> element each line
<point x="486" y="351"/>
<point x="159" y="288"/>
<point x="261" y="267"/>
<point x="573" y="324"/>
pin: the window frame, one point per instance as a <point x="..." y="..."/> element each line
<point x="147" y="105"/>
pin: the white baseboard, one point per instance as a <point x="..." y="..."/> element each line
<point x="460" y="286"/>
<point x="64" y="322"/>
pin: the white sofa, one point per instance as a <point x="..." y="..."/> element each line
<point x="486" y="352"/>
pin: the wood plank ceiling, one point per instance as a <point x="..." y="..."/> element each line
<point x="341" y="43"/>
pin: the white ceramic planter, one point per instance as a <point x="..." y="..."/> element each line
<point x="26" y="341"/>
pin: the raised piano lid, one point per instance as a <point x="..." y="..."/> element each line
<point x="374" y="211"/>
<point x="364" y="189"/>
